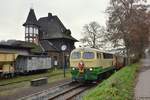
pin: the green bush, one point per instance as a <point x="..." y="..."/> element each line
<point x="120" y="86"/>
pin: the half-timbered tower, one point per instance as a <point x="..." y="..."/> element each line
<point x="31" y="27"/>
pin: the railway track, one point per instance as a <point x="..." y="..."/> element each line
<point x="68" y="94"/>
<point x="64" y="91"/>
<point x="44" y="95"/>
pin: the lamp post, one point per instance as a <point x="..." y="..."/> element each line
<point x="63" y="48"/>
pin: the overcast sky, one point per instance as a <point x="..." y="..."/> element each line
<point x="73" y="13"/>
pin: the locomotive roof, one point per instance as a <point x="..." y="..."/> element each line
<point x="90" y="49"/>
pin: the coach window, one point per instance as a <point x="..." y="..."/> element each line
<point x="76" y="55"/>
<point x="107" y="56"/>
<point x="88" y="55"/>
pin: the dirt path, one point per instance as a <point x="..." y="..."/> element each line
<point x="142" y="89"/>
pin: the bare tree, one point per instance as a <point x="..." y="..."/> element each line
<point x="127" y="23"/>
<point x="93" y="35"/>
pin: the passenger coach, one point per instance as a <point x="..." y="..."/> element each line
<point x="89" y="64"/>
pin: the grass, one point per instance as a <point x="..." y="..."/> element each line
<point x="120" y="86"/>
<point x="12" y="89"/>
<point x="55" y="75"/>
<point x="50" y="73"/>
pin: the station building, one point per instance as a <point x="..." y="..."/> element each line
<point x="50" y="35"/>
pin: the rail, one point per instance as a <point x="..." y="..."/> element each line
<point x="64" y="91"/>
<point x="47" y="93"/>
<point x="70" y="93"/>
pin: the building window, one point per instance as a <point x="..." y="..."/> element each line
<point x="26" y="29"/>
<point x="31" y="34"/>
<point x="26" y="39"/>
<point x="30" y="29"/>
<point x="36" y="32"/>
<point x="30" y="39"/>
<point x="35" y="35"/>
<point x="26" y="34"/>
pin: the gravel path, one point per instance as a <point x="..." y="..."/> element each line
<point x="142" y="89"/>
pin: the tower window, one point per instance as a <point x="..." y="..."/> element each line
<point x="31" y="34"/>
<point x="30" y="30"/>
<point x="26" y="30"/>
<point x="26" y="34"/>
<point x="30" y="39"/>
<point x="34" y="29"/>
<point x="36" y="32"/>
<point x="26" y="39"/>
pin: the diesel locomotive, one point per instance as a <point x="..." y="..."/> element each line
<point x="89" y="64"/>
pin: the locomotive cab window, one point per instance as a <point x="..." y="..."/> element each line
<point x="107" y="56"/>
<point x="88" y="55"/>
<point x="76" y="55"/>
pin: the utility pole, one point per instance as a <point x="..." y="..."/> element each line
<point x="63" y="48"/>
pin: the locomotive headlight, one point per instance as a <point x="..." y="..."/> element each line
<point x="91" y="69"/>
<point x="73" y="68"/>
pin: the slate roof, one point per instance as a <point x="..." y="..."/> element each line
<point x="48" y="46"/>
<point x="17" y="44"/>
<point x="13" y="46"/>
<point x="31" y="19"/>
<point x="52" y="28"/>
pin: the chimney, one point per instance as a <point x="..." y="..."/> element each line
<point x="49" y="15"/>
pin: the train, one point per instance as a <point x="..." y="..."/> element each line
<point x="89" y="64"/>
<point x="7" y="61"/>
<point x="13" y="64"/>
